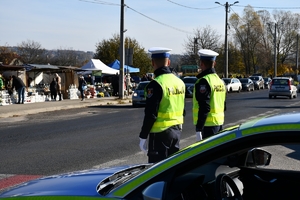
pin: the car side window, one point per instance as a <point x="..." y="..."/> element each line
<point x="288" y="155"/>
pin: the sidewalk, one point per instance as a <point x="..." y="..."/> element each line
<point x="15" y="110"/>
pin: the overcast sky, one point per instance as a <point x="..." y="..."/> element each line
<point x="81" y="24"/>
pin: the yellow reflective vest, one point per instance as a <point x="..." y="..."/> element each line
<point x="171" y="107"/>
<point x="217" y="98"/>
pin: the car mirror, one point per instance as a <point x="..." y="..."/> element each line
<point x="258" y="157"/>
<point x="154" y="191"/>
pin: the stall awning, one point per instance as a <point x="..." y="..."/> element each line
<point x="39" y="67"/>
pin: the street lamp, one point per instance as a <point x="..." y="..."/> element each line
<point x="195" y="50"/>
<point x="226" y="41"/>
<point x="297" y="60"/>
<point x="122" y="49"/>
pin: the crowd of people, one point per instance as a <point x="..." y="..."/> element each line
<point x="16" y="83"/>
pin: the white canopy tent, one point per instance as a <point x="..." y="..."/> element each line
<point x="98" y="65"/>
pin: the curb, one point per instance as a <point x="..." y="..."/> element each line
<point x="103" y="102"/>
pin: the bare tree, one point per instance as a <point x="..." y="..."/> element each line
<point x="288" y="27"/>
<point x="8" y="57"/>
<point x="30" y="51"/>
<point x="248" y="33"/>
<point x="264" y="58"/>
<point x="63" y="57"/>
<point x="203" y="38"/>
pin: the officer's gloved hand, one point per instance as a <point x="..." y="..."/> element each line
<point x="198" y="136"/>
<point x="180" y="127"/>
<point x="143" y="145"/>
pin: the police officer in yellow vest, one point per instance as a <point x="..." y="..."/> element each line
<point x="209" y="97"/>
<point x="164" y="111"/>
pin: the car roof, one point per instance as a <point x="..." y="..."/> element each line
<point x="193" y="77"/>
<point x="244" y="78"/>
<point x="282" y="77"/>
<point x="144" y="82"/>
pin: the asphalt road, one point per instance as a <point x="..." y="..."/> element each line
<point x="104" y="136"/>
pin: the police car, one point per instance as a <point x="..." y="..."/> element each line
<point x="237" y="163"/>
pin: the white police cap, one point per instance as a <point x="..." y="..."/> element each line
<point x="159" y="52"/>
<point x="207" y="54"/>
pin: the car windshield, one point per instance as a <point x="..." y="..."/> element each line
<point x="106" y="185"/>
<point x="254" y="78"/>
<point x="244" y="80"/>
<point x="266" y="79"/>
<point x="190" y="80"/>
<point x="226" y="80"/>
<point x="280" y="82"/>
<point x="142" y="85"/>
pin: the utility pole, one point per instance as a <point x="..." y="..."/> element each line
<point x="195" y="50"/>
<point x="275" y="50"/>
<point x="121" y="70"/>
<point x="275" y="47"/>
<point x="226" y="35"/>
<point x="226" y="40"/>
<point x="297" y="56"/>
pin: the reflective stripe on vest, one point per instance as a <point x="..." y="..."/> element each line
<point x="171" y="107"/>
<point x="217" y="98"/>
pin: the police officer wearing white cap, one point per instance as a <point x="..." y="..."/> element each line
<point x="164" y="111"/>
<point x="209" y="97"/>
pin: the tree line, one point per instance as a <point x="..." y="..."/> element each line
<point x="251" y="39"/>
<point x="251" y="47"/>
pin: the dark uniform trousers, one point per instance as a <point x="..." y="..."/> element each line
<point x="210" y="131"/>
<point x="163" y="144"/>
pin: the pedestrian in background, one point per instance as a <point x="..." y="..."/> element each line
<point x="209" y="97"/>
<point x="82" y="87"/>
<point x="53" y="89"/>
<point x="164" y="111"/>
<point x="144" y="78"/>
<point x="58" y="86"/>
<point x="19" y="86"/>
<point x="1" y="82"/>
<point x="115" y="84"/>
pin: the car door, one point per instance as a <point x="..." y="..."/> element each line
<point x="235" y="84"/>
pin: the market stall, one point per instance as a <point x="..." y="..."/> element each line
<point x="37" y="79"/>
<point x="8" y="97"/>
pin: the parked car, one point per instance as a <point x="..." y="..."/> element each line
<point x="247" y="84"/>
<point x="258" y="82"/>
<point x="189" y="82"/>
<point x="232" y="84"/>
<point x="138" y="95"/>
<point x="267" y="82"/>
<point x="241" y="162"/>
<point x="282" y="86"/>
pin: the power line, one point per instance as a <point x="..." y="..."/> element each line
<point x="274" y="8"/>
<point x="238" y="15"/>
<point x="100" y="2"/>
<point x="192" y="7"/>
<point x="159" y="21"/>
<point x="107" y="3"/>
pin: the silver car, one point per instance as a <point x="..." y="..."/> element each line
<point x="138" y="96"/>
<point x="282" y="86"/>
<point x="258" y="82"/>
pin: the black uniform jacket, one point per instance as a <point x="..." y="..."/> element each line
<point x="153" y="99"/>
<point x="17" y="83"/>
<point x="203" y="98"/>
